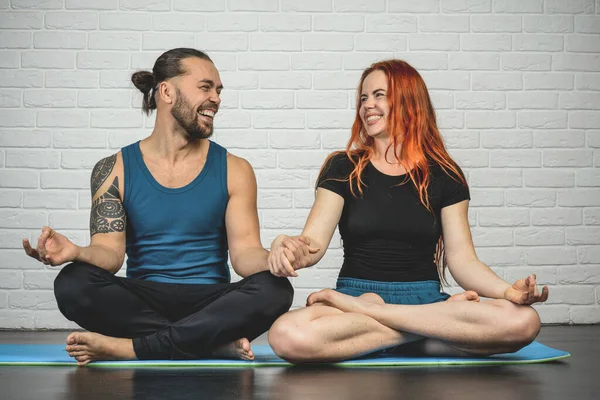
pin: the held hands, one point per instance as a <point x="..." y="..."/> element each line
<point x="52" y="248"/>
<point x="525" y="291"/>
<point x="290" y="253"/>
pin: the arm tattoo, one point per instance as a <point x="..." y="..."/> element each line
<point x="101" y="171"/>
<point x="108" y="213"/>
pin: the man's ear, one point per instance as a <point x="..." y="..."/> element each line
<point x="166" y="92"/>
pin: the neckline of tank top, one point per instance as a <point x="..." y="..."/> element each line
<point x="157" y="185"/>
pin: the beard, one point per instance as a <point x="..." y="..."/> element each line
<point x="188" y="119"/>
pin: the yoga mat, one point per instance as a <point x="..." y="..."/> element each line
<point x="55" y="355"/>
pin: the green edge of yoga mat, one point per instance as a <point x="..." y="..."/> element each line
<point x="121" y="364"/>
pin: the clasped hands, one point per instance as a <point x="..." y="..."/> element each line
<point x="289" y="254"/>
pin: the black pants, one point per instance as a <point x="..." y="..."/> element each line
<point x="170" y="321"/>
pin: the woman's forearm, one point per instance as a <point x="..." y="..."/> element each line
<point x="314" y="257"/>
<point x="477" y="276"/>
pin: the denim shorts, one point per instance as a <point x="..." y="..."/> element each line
<point x="423" y="292"/>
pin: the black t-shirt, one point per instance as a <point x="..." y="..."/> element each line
<point x="387" y="233"/>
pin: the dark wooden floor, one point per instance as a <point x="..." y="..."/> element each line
<point x="577" y="377"/>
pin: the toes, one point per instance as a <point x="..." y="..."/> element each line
<point x="471" y="295"/>
<point x="76" y="347"/>
<point x="83" y="360"/>
<point x="246" y="345"/>
<point x="71" y="339"/>
<point x="242" y="344"/>
<point x="318" y="297"/>
<point x="78" y="354"/>
<point x="83" y="363"/>
<point x="75" y="337"/>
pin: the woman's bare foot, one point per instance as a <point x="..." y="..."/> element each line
<point x="238" y="350"/>
<point x="342" y="301"/>
<point x="469" y="295"/>
<point x="89" y="346"/>
<point x="372" y="298"/>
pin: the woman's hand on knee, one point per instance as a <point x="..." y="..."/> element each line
<point x="525" y="292"/>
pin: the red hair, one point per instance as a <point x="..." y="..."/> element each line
<point x="413" y="131"/>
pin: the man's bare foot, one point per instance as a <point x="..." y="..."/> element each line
<point x="237" y="350"/>
<point x="89" y="346"/>
<point x="469" y="295"/>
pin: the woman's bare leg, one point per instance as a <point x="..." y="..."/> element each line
<point x="323" y="334"/>
<point x="488" y="327"/>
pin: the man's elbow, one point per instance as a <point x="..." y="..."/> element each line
<point x="234" y="259"/>
<point x="116" y="261"/>
<point x="249" y="261"/>
<point x="115" y="266"/>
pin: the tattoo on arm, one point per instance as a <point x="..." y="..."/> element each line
<point x="101" y="171"/>
<point x="108" y="213"/>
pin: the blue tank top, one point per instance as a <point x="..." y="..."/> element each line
<point x="176" y="235"/>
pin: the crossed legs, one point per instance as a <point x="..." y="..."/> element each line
<point x="338" y="327"/>
<point x="149" y="320"/>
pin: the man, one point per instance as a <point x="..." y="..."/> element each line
<point x="175" y="202"/>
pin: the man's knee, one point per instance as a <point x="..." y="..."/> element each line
<point x="277" y="291"/>
<point x="72" y="288"/>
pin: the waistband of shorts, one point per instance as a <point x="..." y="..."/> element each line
<point x="392" y="287"/>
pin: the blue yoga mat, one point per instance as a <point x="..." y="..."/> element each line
<point x="55" y="355"/>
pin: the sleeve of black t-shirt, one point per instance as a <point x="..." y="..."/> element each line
<point x="334" y="174"/>
<point x="454" y="190"/>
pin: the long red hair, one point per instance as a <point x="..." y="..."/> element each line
<point x="414" y="136"/>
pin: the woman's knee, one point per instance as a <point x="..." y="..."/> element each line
<point x="528" y="325"/>
<point x="522" y="325"/>
<point x="290" y="341"/>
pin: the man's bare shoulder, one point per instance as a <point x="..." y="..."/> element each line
<point x="105" y="168"/>
<point x="240" y="175"/>
<point x="239" y="165"/>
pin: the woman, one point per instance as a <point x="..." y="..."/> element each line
<point x="401" y="204"/>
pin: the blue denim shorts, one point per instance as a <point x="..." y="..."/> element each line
<point x="423" y="292"/>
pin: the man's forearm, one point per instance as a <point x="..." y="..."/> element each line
<point x="250" y="261"/>
<point x="100" y="256"/>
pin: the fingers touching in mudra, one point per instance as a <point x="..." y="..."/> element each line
<point x="289" y="254"/>
<point x="52" y="248"/>
<point x="525" y="291"/>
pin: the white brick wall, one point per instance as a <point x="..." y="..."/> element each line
<point x="516" y="84"/>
